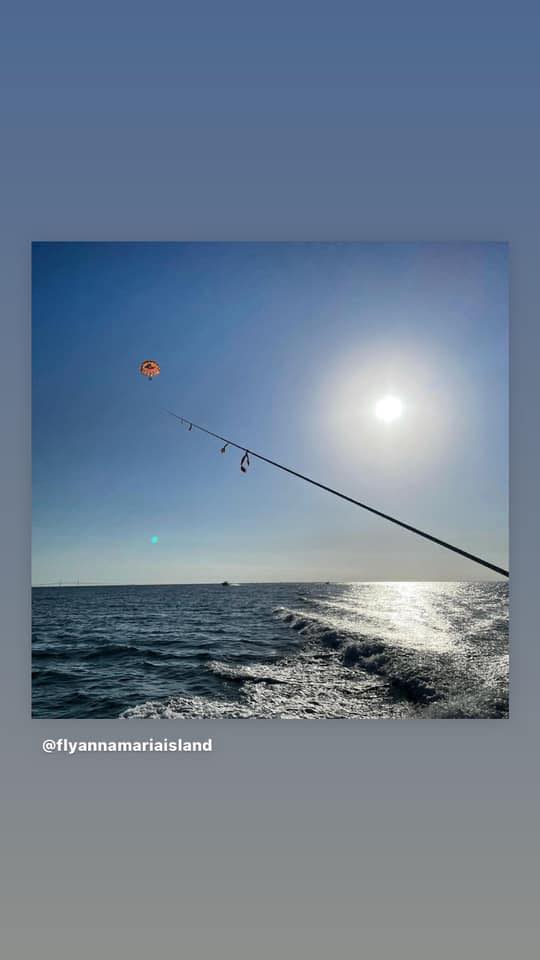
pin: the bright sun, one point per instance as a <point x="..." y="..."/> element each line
<point x="389" y="408"/>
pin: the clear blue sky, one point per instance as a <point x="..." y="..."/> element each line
<point x="287" y="348"/>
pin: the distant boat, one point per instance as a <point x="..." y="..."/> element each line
<point x="225" y="583"/>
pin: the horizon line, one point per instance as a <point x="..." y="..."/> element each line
<point x="58" y="585"/>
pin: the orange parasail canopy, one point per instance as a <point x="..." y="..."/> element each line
<point x="149" y="368"/>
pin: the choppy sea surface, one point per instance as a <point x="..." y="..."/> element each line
<point x="290" y="650"/>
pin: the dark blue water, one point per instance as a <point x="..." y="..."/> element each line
<point x="272" y="650"/>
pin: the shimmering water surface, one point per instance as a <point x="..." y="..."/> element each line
<point x="287" y="650"/>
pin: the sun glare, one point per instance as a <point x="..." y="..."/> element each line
<point x="389" y="408"/>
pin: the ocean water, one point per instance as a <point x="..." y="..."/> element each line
<point x="291" y="650"/>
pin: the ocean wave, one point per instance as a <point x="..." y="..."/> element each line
<point x="45" y="654"/>
<point x="485" y="705"/>
<point x="48" y="674"/>
<point x="312" y="627"/>
<point x="114" y="650"/>
<point x="371" y="654"/>
<point x="111" y="650"/>
<point x="188" y="708"/>
<point x="244" y="674"/>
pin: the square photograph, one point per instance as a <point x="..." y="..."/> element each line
<point x="270" y="480"/>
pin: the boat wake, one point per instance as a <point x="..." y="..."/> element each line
<point x="339" y="668"/>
